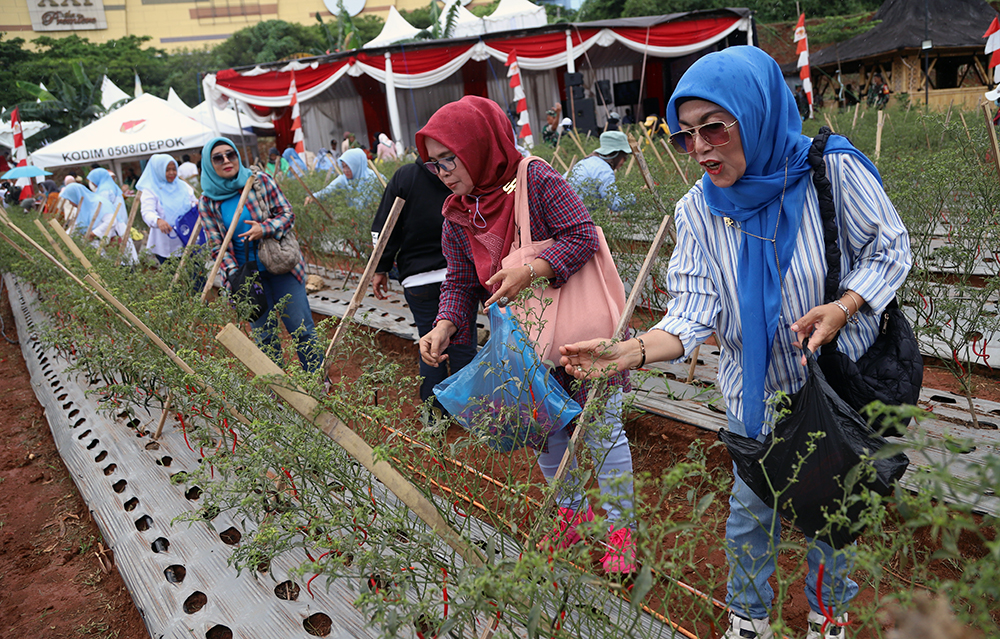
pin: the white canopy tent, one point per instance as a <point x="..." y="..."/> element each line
<point x="466" y="23"/>
<point x="144" y="126"/>
<point x="110" y="93"/>
<point x="511" y="15"/>
<point x="396" y="29"/>
<point x="28" y="128"/>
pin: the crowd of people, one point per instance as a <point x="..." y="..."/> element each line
<point x="748" y="267"/>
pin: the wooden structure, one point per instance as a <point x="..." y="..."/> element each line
<point x="956" y="62"/>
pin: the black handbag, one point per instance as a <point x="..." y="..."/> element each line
<point x="812" y="459"/>
<point x="892" y="370"/>
<point x="246" y="285"/>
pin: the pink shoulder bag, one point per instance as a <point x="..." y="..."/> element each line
<point x="587" y="306"/>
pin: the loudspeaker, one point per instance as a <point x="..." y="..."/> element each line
<point x="583" y="118"/>
<point x="577" y="91"/>
<point x="574" y="79"/>
<point x="602" y="90"/>
<point x="627" y="93"/>
<point x="651" y="106"/>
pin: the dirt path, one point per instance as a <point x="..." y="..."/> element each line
<point x="52" y="582"/>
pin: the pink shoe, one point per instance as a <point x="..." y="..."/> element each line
<point x="620" y="557"/>
<point x="565" y="534"/>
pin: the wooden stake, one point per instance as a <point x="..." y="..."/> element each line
<point x="947" y="119"/>
<point x="51" y="240"/>
<point x="694" y="363"/>
<point x="381" y="179"/>
<point x="192" y="241"/>
<point x="878" y="133"/>
<point x="677" y="165"/>
<point x="93" y="218"/>
<point x="163" y="415"/>
<point x="244" y="350"/>
<point x="968" y="134"/>
<point x="229" y="238"/>
<point x="666" y="228"/>
<point x="315" y="199"/>
<point x="70" y="244"/>
<point x="993" y="135"/>
<point x="656" y="152"/>
<point x="828" y="122"/>
<point x="558" y="159"/>
<point x="17" y="248"/>
<point x="127" y="237"/>
<point x="366" y="277"/>
<point x="48" y="255"/>
<point x="572" y="162"/>
<point x="631" y="164"/>
<point x="579" y="145"/>
<point x="855" y="121"/>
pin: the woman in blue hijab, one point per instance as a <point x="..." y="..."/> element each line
<point x="91" y="208"/>
<point x="749" y="266"/>
<point x="104" y="185"/>
<point x="164" y="200"/>
<point x="267" y="214"/>
<point x="360" y="181"/>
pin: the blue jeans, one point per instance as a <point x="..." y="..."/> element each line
<point x="296" y="314"/>
<point x="752" y="533"/>
<point x="613" y="457"/>
<point x="423" y="303"/>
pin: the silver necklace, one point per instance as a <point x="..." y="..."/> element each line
<point x="730" y="222"/>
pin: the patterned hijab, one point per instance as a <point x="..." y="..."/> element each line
<point x="479" y="133"/>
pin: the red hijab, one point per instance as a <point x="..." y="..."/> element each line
<point x="479" y="133"/>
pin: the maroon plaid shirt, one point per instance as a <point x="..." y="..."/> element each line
<point x="265" y="196"/>
<point x="556" y="212"/>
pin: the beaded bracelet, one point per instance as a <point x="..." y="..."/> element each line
<point x="843" y="307"/>
<point x="534" y="275"/>
<point x="642" y="350"/>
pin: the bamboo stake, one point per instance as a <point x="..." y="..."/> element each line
<point x="826" y="116"/>
<point x="70" y="244"/>
<point x="51" y="240"/>
<point x="93" y="218"/>
<point x="314" y="198"/>
<point x="192" y="240"/>
<point x="48" y="256"/>
<point x="244" y="350"/>
<point x="947" y="119"/>
<point x="579" y="145"/>
<point x="127" y="237"/>
<point x="666" y="228"/>
<point x="561" y="163"/>
<point x="878" y="133"/>
<point x="968" y="134"/>
<point x="366" y="277"/>
<point x="163" y="415"/>
<point x="694" y="363"/>
<point x="229" y="238"/>
<point x="993" y="135"/>
<point x="677" y="165"/>
<point x="572" y="162"/>
<point x="631" y="164"/>
<point x="381" y="179"/>
<point x="17" y="248"/>
<point x="855" y="121"/>
<point x="659" y="157"/>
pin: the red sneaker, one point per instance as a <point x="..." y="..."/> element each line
<point x="565" y="534"/>
<point x="620" y="556"/>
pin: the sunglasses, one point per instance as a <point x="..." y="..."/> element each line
<point x="444" y="164"/>
<point x="714" y="133"/>
<point x="219" y="158"/>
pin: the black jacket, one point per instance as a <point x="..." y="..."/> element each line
<point x="415" y="243"/>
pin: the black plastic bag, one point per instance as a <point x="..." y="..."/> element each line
<point x="817" y="486"/>
<point x="245" y="284"/>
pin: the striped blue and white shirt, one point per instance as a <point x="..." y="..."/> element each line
<point x="875" y="260"/>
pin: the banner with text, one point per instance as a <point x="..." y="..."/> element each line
<point x="67" y="15"/>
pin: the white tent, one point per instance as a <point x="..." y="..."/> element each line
<point x="175" y="101"/>
<point x="511" y="15"/>
<point x="110" y="93"/>
<point x="466" y="23"/>
<point x="29" y="128"/>
<point x="229" y="124"/>
<point x="396" y="28"/>
<point x="144" y="126"/>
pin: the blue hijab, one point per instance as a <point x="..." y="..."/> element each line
<point x="106" y="186"/>
<point x="87" y="202"/>
<point x="294" y="161"/>
<point x="747" y="83"/>
<point x="174" y="197"/>
<point x="215" y="187"/>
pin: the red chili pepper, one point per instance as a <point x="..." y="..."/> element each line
<point x="180" y="418"/>
<point x="444" y="589"/>
<point x="954" y="356"/>
<point x="826" y="612"/>
<point x="295" y="491"/>
<point x="984" y="354"/>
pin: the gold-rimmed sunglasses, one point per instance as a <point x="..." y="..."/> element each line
<point x="714" y="133"/>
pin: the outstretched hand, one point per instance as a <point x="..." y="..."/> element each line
<point x="594" y="358"/>
<point x="819" y="326"/>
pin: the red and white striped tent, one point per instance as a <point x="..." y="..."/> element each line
<point x="395" y="89"/>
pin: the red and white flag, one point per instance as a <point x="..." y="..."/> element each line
<point x="514" y="73"/>
<point x="992" y="36"/>
<point x="20" y="150"/>
<point x="298" y="139"/>
<point x="805" y="74"/>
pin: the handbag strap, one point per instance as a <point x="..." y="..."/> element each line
<point x="522" y="217"/>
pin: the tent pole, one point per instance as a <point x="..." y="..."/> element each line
<point x="390" y="98"/>
<point x="243" y="139"/>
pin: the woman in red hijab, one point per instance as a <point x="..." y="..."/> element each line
<point x="470" y="146"/>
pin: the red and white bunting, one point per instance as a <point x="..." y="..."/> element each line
<point x="514" y="73"/>
<point x="805" y="74"/>
<point x="20" y="150"/>
<point x="298" y="139"/>
<point x="992" y="36"/>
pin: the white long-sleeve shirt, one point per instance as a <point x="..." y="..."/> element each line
<point x="702" y="277"/>
<point x="159" y="242"/>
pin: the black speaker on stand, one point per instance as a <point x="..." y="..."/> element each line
<point x="602" y="90"/>
<point x="584" y="119"/>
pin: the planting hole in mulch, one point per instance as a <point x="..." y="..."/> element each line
<point x="230" y="536"/>
<point x="193" y="493"/>
<point x="287" y="590"/>
<point x="165" y="461"/>
<point x="131" y="504"/>
<point x="110" y="469"/>
<point x="101" y="456"/>
<point x="119" y="486"/>
<point x="195" y="602"/>
<point x="219" y="632"/>
<point x="152" y="446"/>
<point x="318" y="624"/>
<point x="175" y="574"/>
<point x="161" y="544"/>
<point x="143" y="523"/>
<point x="84" y="434"/>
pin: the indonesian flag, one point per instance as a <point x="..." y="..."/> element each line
<point x="298" y="139"/>
<point x="803" y="50"/>
<point x="20" y="150"/>
<point x="514" y="73"/>
<point x="992" y="36"/>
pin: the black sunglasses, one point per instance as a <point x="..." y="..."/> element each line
<point x="219" y="158"/>
<point x="444" y="164"/>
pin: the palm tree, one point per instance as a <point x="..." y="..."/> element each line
<point x="67" y="106"/>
